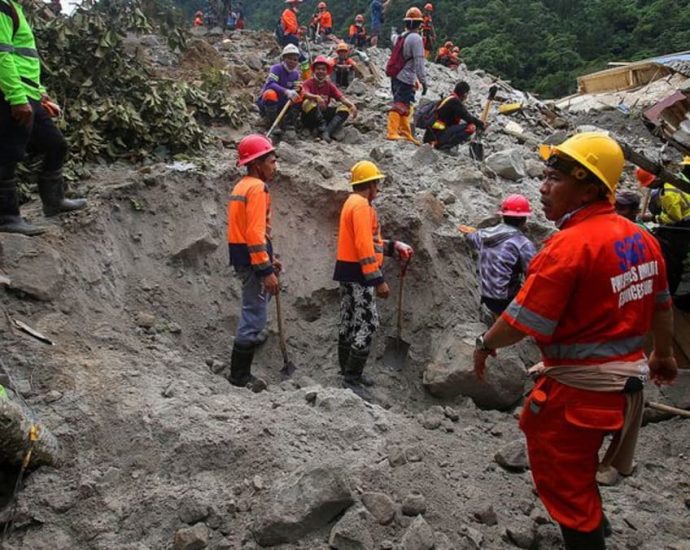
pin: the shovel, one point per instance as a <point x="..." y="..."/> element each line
<point x="476" y="145"/>
<point x="288" y="366"/>
<point x="279" y="118"/>
<point x="396" y="350"/>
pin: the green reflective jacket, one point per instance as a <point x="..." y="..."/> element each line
<point x="675" y="205"/>
<point x="20" y="66"/>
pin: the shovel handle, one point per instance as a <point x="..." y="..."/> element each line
<point x="403" y="272"/>
<point x="279" y="118"/>
<point x="281" y="334"/>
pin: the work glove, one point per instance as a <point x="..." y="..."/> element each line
<point x="291" y="94"/>
<point x="404" y="250"/>
<point x="425" y="88"/>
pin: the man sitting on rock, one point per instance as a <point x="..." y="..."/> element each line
<point x="358" y="270"/>
<point x="454" y="124"/>
<point x="504" y="254"/>
<point x="318" y="91"/>
<point x="358" y="34"/>
<point x="343" y="66"/>
<point x="280" y="85"/>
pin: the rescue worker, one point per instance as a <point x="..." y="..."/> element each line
<point x="322" y="22"/>
<point x="403" y="84"/>
<point x="427" y="30"/>
<point x="318" y="91"/>
<point x="251" y="253"/>
<point x="358" y="270"/>
<point x="343" y="66"/>
<point x="454" y="58"/>
<point x="628" y="205"/>
<point x="26" y="114"/>
<point x="504" y="254"/>
<point x="357" y="33"/>
<point x="454" y="124"/>
<point x="673" y="203"/>
<point x="290" y="24"/>
<point x="378" y="9"/>
<point x="280" y="86"/>
<point x="591" y="295"/>
<point x="198" y="19"/>
<point x="444" y="52"/>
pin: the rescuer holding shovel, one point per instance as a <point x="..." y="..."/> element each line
<point x="590" y="297"/>
<point x="26" y="114"/>
<point x="358" y="269"/>
<point x="251" y="253"/>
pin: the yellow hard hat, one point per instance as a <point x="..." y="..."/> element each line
<point x="599" y="153"/>
<point x="365" y="171"/>
<point x="685" y="161"/>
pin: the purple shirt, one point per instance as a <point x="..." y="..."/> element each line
<point x="504" y="254"/>
<point x="279" y="79"/>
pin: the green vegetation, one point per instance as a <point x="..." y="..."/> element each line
<point x="539" y="45"/>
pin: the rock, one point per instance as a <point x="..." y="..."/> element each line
<point x="452" y="374"/>
<point x="145" y="320"/>
<point x="442" y="542"/>
<point x="535" y="169"/>
<point x="305" y="501"/>
<point x="351" y="136"/>
<point x="513" y="456"/>
<point x="191" y="538"/>
<point x="396" y="457"/>
<point x="33" y="267"/>
<point x="192" y="510"/>
<point x="486" y="516"/>
<point x="258" y="483"/>
<point x="424" y="155"/>
<point x="414" y="504"/>
<point x="253" y="61"/>
<point x="687" y="501"/>
<point x="451" y="414"/>
<point x="357" y="87"/>
<point x="508" y="164"/>
<point x="521" y="535"/>
<point x="195" y="248"/>
<point x="381" y="506"/>
<point x="351" y="532"/>
<point x="418" y="536"/>
<point x="432" y="208"/>
<point x="431" y="418"/>
<point x="608" y="476"/>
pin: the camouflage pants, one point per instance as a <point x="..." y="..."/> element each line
<point x="359" y="317"/>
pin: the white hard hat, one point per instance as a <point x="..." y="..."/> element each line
<point x="290" y="49"/>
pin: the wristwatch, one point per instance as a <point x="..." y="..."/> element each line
<point x="480" y="345"/>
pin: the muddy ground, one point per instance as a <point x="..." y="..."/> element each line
<point x="160" y="451"/>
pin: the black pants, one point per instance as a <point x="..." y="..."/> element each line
<point x="341" y="77"/>
<point x="315" y="117"/>
<point x="675" y="246"/>
<point x="40" y="136"/>
<point x="448" y="138"/>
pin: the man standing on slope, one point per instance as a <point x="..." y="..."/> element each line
<point x="251" y="253"/>
<point x="358" y="269"/>
<point x="591" y="296"/>
<point x="26" y="121"/>
<point x="403" y="82"/>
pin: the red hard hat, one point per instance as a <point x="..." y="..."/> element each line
<point x="322" y="5"/>
<point x="429" y="7"/>
<point x="252" y="147"/>
<point x="359" y="18"/>
<point x="413" y="14"/>
<point x="516" y="206"/>
<point x="645" y="178"/>
<point x="322" y="60"/>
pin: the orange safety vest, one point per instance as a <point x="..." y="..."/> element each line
<point x="591" y="293"/>
<point x="360" y="246"/>
<point x="355" y="30"/>
<point x="289" y="22"/>
<point x="325" y="20"/>
<point x="249" y="226"/>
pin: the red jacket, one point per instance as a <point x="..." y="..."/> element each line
<point x="590" y="294"/>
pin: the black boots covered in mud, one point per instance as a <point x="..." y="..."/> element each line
<point x="352" y="368"/>
<point x="241" y="369"/>
<point x="51" y="187"/>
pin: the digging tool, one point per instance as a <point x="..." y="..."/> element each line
<point x="279" y="118"/>
<point x="396" y="350"/>
<point x="476" y="145"/>
<point x="288" y="366"/>
<point x="668" y="409"/>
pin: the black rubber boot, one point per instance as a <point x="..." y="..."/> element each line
<point x="343" y="353"/>
<point x="578" y="540"/>
<point x="51" y="187"/>
<point x="241" y="367"/>
<point x="334" y="125"/>
<point x="355" y="367"/>
<point x="271" y="116"/>
<point x="10" y="220"/>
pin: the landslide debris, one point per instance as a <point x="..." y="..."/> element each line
<point x="158" y="450"/>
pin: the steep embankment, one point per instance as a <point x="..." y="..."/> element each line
<point x="137" y="295"/>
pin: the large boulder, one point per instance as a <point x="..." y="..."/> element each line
<point x="307" y="500"/>
<point x="34" y="267"/>
<point x="508" y="164"/>
<point x="451" y="373"/>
